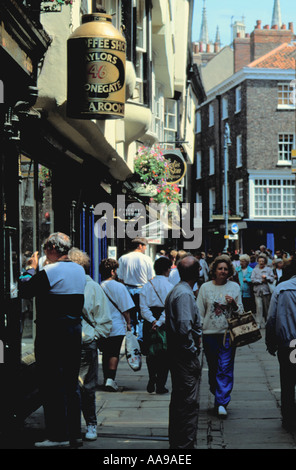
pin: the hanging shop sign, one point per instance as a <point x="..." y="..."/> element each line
<point x="96" y="69"/>
<point x="177" y="165"/>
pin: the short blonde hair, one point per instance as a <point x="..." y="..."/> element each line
<point x="244" y="257"/>
<point x="79" y="257"/>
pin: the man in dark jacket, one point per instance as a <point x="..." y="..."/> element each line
<point x="183" y="330"/>
<point x="59" y="291"/>
<point x="280" y="337"/>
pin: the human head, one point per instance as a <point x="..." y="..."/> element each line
<point x="278" y="263"/>
<point x="57" y="245"/>
<point x="140" y="244"/>
<point x="173" y="254"/>
<point x="188" y="267"/>
<point x="244" y="260"/>
<point x="162" y="265"/>
<point x="180" y="255"/>
<point x="107" y="266"/>
<point x="262" y="259"/>
<point x="80" y="257"/>
<point x="217" y="261"/>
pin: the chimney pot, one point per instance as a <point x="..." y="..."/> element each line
<point x="284" y="26"/>
<point x="258" y="26"/>
<point x="291" y="27"/>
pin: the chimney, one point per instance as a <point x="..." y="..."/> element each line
<point x="242" y="52"/>
<point x="208" y="48"/>
<point x="266" y="39"/>
<point x="291" y="27"/>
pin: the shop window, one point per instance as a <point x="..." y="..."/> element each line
<point x="36" y="223"/>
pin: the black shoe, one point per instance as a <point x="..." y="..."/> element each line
<point x="150" y="386"/>
<point x="162" y="390"/>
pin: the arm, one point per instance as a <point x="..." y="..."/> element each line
<point x="188" y="328"/>
<point x="145" y="310"/>
<point x="127" y="318"/>
<point x="270" y="327"/>
<point x="32" y="283"/>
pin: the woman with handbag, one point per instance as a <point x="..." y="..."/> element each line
<point x="217" y="300"/>
<point x="152" y="299"/>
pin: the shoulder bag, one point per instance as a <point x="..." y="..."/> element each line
<point x="243" y="329"/>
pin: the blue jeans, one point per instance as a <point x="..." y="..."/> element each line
<point x="220" y="359"/>
<point x="58" y="351"/>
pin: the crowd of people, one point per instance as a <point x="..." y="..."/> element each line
<point x="174" y="306"/>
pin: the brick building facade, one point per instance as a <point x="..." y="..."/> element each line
<point x="256" y="104"/>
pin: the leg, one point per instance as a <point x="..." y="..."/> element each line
<point x="88" y="378"/>
<point x="224" y="372"/>
<point x="266" y="302"/>
<point x="183" y="409"/>
<point x="288" y="381"/>
<point x="211" y="347"/>
<point x="259" y="310"/>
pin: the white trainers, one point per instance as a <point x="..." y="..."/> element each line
<point x="91" y="432"/>
<point x="48" y="444"/>
<point x="111" y="385"/>
<point x="222" y="411"/>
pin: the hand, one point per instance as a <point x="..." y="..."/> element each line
<point x="128" y="327"/>
<point x="33" y="261"/>
<point x="154" y="326"/>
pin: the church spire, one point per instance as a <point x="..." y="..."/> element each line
<point x="276" y="14"/>
<point x="218" y="39"/>
<point x="204" y="35"/>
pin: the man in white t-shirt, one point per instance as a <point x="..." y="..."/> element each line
<point x="135" y="270"/>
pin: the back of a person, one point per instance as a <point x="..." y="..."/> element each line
<point x="66" y="296"/>
<point x="135" y="269"/>
<point x="286" y="305"/>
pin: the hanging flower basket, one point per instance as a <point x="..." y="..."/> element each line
<point x="143" y="189"/>
<point x="153" y="169"/>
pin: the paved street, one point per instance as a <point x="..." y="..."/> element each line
<point x="133" y="419"/>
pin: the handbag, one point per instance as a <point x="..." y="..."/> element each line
<point x="133" y="352"/>
<point x="243" y="329"/>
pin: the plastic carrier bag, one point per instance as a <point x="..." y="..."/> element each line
<point x="133" y="352"/>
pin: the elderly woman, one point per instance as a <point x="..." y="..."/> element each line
<point x="261" y="277"/>
<point x="244" y="272"/>
<point x="217" y="300"/>
<point x="278" y="265"/>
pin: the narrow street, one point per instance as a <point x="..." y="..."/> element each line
<point x="132" y="419"/>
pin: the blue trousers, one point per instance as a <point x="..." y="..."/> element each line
<point x="220" y="359"/>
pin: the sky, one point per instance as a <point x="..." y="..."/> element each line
<point x="222" y="12"/>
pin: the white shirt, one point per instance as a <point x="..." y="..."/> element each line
<point x="96" y="309"/>
<point x="135" y="268"/>
<point x="174" y="276"/>
<point x="149" y="298"/>
<point x="121" y="297"/>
